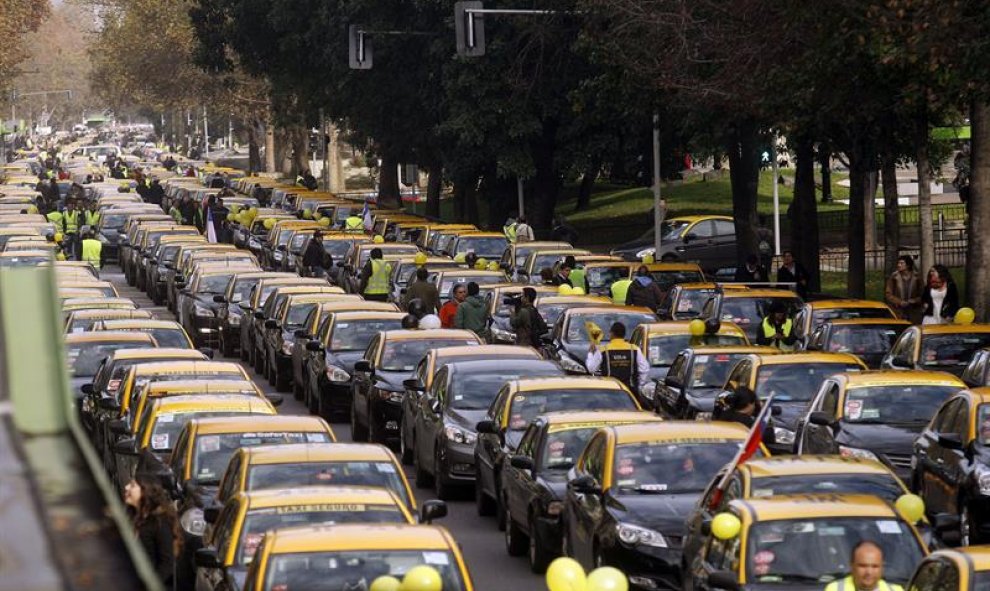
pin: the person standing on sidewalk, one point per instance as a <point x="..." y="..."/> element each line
<point x="903" y="291"/>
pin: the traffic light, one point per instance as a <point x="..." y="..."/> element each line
<point x="470" y="28"/>
<point x="359" y="48"/>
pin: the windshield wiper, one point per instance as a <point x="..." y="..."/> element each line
<point x="794" y="577"/>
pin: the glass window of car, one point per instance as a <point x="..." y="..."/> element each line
<point x="983" y="424"/>
<point x="475" y="390"/>
<point x="527" y="445"/>
<point x="576" y="332"/>
<point x="904" y="348"/>
<point x="354" y="335"/>
<point x="663" y="349"/>
<point x="883" y="485"/>
<point x="960" y="420"/>
<point x="213" y="452"/>
<point x="897" y="405"/>
<point x="945" y="416"/>
<point x="951" y="350"/>
<point x="974" y="371"/>
<point x="404" y="354"/>
<point x="526" y="406"/>
<point x="678" y="368"/>
<point x="346" y="473"/>
<point x="703" y="229"/>
<point x="440" y="385"/>
<point x="232" y="474"/>
<point x="339" y="570"/>
<point x="860" y="339"/>
<point x="796" y="381"/>
<point x="830" y="400"/>
<point x="224" y="527"/>
<point x="930" y="576"/>
<point x="724" y="228"/>
<point x="739" y="376"/>
<point x="594" y="458"/>
<point x="661" y="467"/>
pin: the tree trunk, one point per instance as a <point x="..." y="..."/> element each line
<point x="924" y="193"/>
<point x="587" y="184"/>
<point x="891" y="215"/>
<point x="269" y="142"/>
<point x="254" y="150"/>
<point x="300" y="150"/>
<point x="870" y="210"/>
<point x="433" y="186"/>
<point x="825" y="158"/>
<point x="388" y="182"/>
<point x="804" y="213"/>
<point x="978" y="222"/>
<point x="744" y="172"/>
<point x="546" y="184"/>
<point x="860" y="166"/>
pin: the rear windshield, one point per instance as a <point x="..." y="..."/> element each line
<point x="527" y="406"/>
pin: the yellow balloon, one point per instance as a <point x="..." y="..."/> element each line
<point x="324" y="222"/>
<point x="307" y="214"/>
<point x="607" y="578"/>
<point x="269" y="223"/>
<point x="33" y="209"/>
<point x="317" y="215"/>
<point x="460" y="258"/>
<point x="965" y="316"/>
<point x="565" y="290"/>
<point x="577" y="290"/>
<point x="911" y="507"/>
<point x="378" y="239"/>
<point x="420" y="259"/>
<point x="385" y="583"/>
<point x="493" y="266"/>
<point x="253" y="211"/>
<point x="235" y="208"/>
<point x="696" y="327"/>
<point x="481" y="264"/>
<point x="566" y="574"/>
<point x="726" y="526"/>
<point x="421" y="578"/>
<point x="648" y="259"/>
<point x="58" y="237"/>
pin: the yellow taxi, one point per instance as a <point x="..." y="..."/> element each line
<point x="515" y="253"/>
<point x="569" y="339"/>
<point x="144" y="373"/>
<point x="870" y="339"/>
<point x="793" y="379"/>
<point x="600" y="272"/>
<point x="354" y="556"/>
<point x="83" y="320"/>
<point x="641" y="480"/>
<point x="303" y="464"/>
<point x="960" y="569"/>
<point x="153" y="390"/>
<point x="106" y="288"/>
<point x="812" y="314"/>
<point x="552" y="305"/>
<point x="80" y="292"/>
<point x="801" y="541"/>
<point x="938" y="347"/>
<point x="25" y="258"/>
<point x="240" y="525"/>
<point x="667" y="275"/>
<point x="426" y="237"/>
<point x="749" y="307"/>
<point x="168" y="333"/>
<point x="685" y="301"/>
<point x="100" y="303"/>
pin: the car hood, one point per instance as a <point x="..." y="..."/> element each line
<point x="896" y="439"/>
<point x="665" y="513"/>
<point x="576" y="351"/>
<point x="345" y="359"/>
<point x="392" y="379"/>
<point x="466" y="419"/>
<point x="790" y="412"/>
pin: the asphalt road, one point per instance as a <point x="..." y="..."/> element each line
<point x="481" y="542"/>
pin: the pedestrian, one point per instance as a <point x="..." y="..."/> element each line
<point x="903" y="290"/>
<point x="219" y="213"/>
<point x="563" y="276"/>
<point x="448" y="312"/>
<point x="316" y="260"/>
<point x="188" y="210"/>
<point x="92" y="250"/>
<point x="940" y="299"/>
<point x="563" y="231"/>
<point x="509" y="228"/>
<point x="526" y="320"/>
<point x="156" y="525"/>
<point x="472" y="313"/>
<point x="524" y="232"/>
<point x="777" y="330"/>
<point x="644" y="291"/>
<point x="791" y="271"/>
<point x="71" y="222"/>
<point x="866" y="562"/>
<point x="374" y="277"/>
<point x="156" y="193"/>
<point x="765" y="246"/>
<point x="752" y="271"/>
<point x="741" y="406"/>
<point x="91" y="216"/>
<point x="423" y="290"/>
<point x="619" y="359"/>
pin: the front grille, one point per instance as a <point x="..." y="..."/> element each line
<point x="899" y="460"/>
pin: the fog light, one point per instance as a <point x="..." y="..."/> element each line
<point x="462" y="467"/>
<point x="643" y="582"/>
<point x="392" y="425"/>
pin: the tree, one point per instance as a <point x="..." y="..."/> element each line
<point x="17" y="19"/>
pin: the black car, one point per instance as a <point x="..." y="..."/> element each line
<point x="444" y="432"/>
<point x="199" y="308"/>
<point x="535" y="478"/>
<point x="632" y="489"/>
<point x="696" y="377"/>
<point x="229" y="313"/>
<point x="875" y="415"/>
<point x="709" y="241"/>
<point x="977" y="373"/>
<point x="869" y="339"/>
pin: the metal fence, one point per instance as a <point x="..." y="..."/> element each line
<point x="907" y="214"/>
<point x="951" y="253"/>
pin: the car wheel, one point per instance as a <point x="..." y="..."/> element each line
<point x="539" y="557"/>
<point x="422" y="477"/>
<point x="442" y="489"/>
<point x="483" y="503"/>
<point x="358" y="432"/>
<point x="405" y="452"/>
<point x="515" y="539"/>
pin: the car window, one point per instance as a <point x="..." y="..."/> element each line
<point x="527" y="445"/>
<point x="224" y="528"/>
<point x="702" y="230"/>
<point x="739" y="376"/>
<point x="929" y="576"/>
<point x="830" y="401"/>
<point x="943" y="419"/>
<point x="594" y="458"/>
<point x="233" y="474"/>
<point x="960" y="420"/>
<point x="724" y="228"/>
<point x="676" y="373"/>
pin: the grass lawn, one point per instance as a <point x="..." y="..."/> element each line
<point x="835" y="283"/>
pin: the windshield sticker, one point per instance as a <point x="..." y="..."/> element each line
<point x="854" y="409"/>
<point x="870" y="413"/>
<point x="888" y="526"/>
<point x="762" y="492"/>
<point x="209" y="443"/>
<point x="159" y="441"/>
<point x="626" y="467"/>
<point x="316" y="438"/>
<point x="653" y="487"/>
<point x="437" y="558"/>
<point x="385" y="468"/>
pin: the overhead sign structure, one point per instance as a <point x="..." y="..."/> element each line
<point x="469" y="26"/>
<point x="361" y="54"/>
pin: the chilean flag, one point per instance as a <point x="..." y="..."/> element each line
<point x="746" y="451"/>
<point x="211" y="230"/>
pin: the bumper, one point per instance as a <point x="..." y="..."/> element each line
<point x="205" y="331"/>
<point x="457" y="465"/>
<point x="334" y="395"/>
<point x="387" y="415"/>
<point x="647" y="567"/>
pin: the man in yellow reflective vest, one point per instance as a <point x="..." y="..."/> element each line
<point x="777" y="330"/>
<point x="619" y="290"/>
<point x="70" y="227"/>
<point x="92" y="249"/>
<point x="867" y="571"/>
<point x="374" y="277"/>
<point x="92" y="216"/>
<point x="354" y="223"/>
<point x="55" y="216"/>
<point x="509" y="229"/>
<point x="619" y="359"/>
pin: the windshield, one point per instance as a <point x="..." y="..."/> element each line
<point x="796" y="381"/>
<point x="168" y="426"/>
<point x="214" y="284"/>
<point x="711" y="371"/>
<point x="259" y="521"/>
<point x="541" y="261"/>
<point x="242" y="288"/>
<point x="562" y="448"/>
<point x="863" y="339"/>
<point x="490" y="248"/>
<point x="605" y="276"/>
<point x="347" y="571"/>
<point x="663" y="349"/>
<point x="404" y="354"/>
<point x="476" y="391"/>
<point x="23" y="261"/>
<point x="980" y="581"/>
<point x="817" y="551"/>
<point x="170" y="337"/>
<point x="214" y="451"/>
<point x="576" y="332"/>
<point x="383" y="474"/>
<point x="743" y="310"/>
<point x="355" y="335"/>
<point x="821" y="316"/>
<point x="114" y="221"/>
<point x="951" y="350"/>
<point x="912" y="405"/>
<point x="658" y="467"/>
<point x="527" y="406"/>
<point x="298" y="313"/>
<point x="336" y="248"/>
<point x="85" y="358"/>
<point x="885" y="486"/>
<point x="690" y="302"/>
<point x="392" y="249"/>
<point x="667" y="279"/>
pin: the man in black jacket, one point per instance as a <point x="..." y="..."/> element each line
<point x="315" y="258"/>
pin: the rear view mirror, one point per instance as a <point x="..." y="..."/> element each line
<point x="413" y="384"/>
<point x="487" y="426"/>
<point x="432" y="510"/>
<point x="363" y="366"/>
<point x="821" y="418"/>
<point x="521" y="462"/>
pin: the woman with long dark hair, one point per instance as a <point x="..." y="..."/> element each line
<point x="941" y="297"/>
<point x="156" y="524"/>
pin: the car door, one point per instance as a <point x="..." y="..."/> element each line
<point x="699" y="245"/>
<point x="514" y="485"/>
<point x="725" y="243"/>
<point x="588" y="506"/>
<point x="429" y="418"/>
<point x="954" y="465"/>
<point x="669" y="394"/>
<point x="362" y="380"/>
<point x="820" y="439"/>
<point x="931" y="457"/>
<point x="488" y="444"/>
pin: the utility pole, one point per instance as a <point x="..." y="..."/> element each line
<point x="776" y="199"/>
<point x="657" y="204"/>
<point x="206" y="135"/>
<point x="522" y="194"/>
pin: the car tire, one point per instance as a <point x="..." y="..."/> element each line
<point x="359" y="432"/>
<point x="539" y="557"/>
<point x="422" y="477"/>
<point x="515" y="539"/>
<point x="441" y="489"/>
<point x="483" y="504"/>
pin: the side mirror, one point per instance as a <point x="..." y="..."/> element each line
<point x="706" y="527"/>
<point x="245" y="306"/>
<point x="301" y="334"/>
<point x="108" y="405"/>
<point x="211" y="513"/>
<point x="314" y="346"/>
<point x="271" y="324"/>
<point x="259" y="316"/>
<point x="821" y="418"/>
<point x="275" y="399"/>
<point x="487" y="426"/>
<point x="724" y="579"/>
<point x="432" y="510"/>
<point x="585" y="485"/>
<point x="119" y="427"/>
<point x="521" y="462"/>
<point x="219" y="299"/>
<point x="899" y="363"/>
<point x="126" y="447"/>
<point x="87" y="388"/>
<point x="181" y="283"/>
<point x="280" y="247"/>
<point x="950" y="440"/>
<point x="364" y="366"/>
<point x="413" y="384"/>
<point x="209" y="352"/>
<point x="435" y="407"/>
<point x="207" y="558"/>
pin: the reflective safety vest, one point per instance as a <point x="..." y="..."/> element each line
<point x="619" y="362"/>
<point x="71" y="222"/>
<point x="55" y="217"/>
<point x="176" y="214"/>
<point x="91" y="249"/>
<point x="619" y="289"/>
<point x="92" y="218"/>
<point x="770" y="332"/>
<point x="354" y="224"/>
<point x="510" y="231"/>
<point x="847" y="584"/>
<point x="378" y="282"/>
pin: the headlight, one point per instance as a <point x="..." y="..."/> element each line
<point x="287" y="347"/>
<point x="503" y="335"/>
<point x="554" y="508"/>
<point x="568" y="364"/>
<point x="192" y="522"/>
<point x="279" y="255"/>
<point x="983" y="480"/>
<point x="458" y="435"/>
<point x="254" y="243"/>
<point x="335" y="374"/>
<point x="646" y="251"/>
<point x="783" y="435"/>
<point x="203" y="311"/>
<point x="234" y="319"/>
<point x="390" y="395"/>
<point x="649" y="390"/>
<point x="855" y="452"/>
<point x="703" y="416"/>
<point x="633" y="535"/>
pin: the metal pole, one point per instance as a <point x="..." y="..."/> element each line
<point x="776" y="199"/>
<point x="657" y="209"/>
<point x="522" y="194"/>
<point x="206" y="134"/>
<point x="230" y="131"/>
<point x="325" y="147"/>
